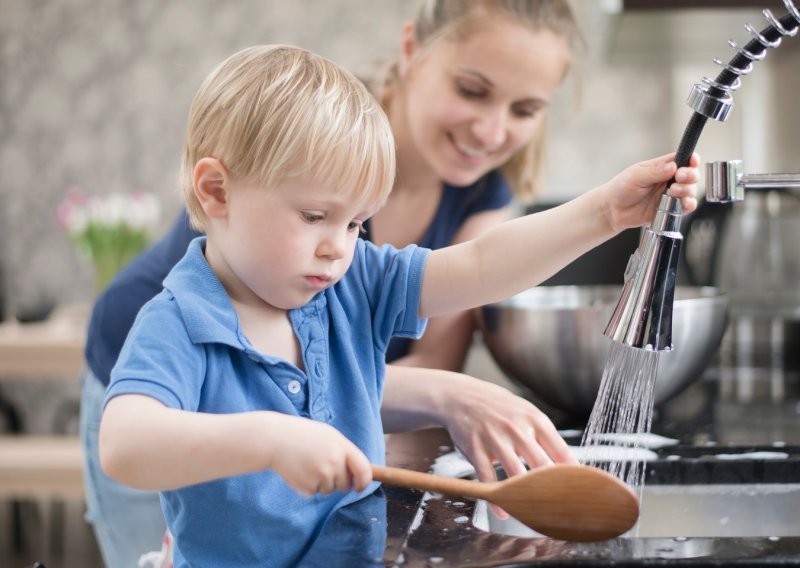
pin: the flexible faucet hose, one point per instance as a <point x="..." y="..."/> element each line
<point x="728" y="78"/>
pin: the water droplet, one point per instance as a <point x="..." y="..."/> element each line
<point x="461" y="520"/>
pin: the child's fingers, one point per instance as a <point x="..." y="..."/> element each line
<point x="327" y="485"/>
<point x="685" y="188"/>
<point x="686" y="179"/>
<point x="689" y="204"/>
<point x="655" y="172"/>
<point x="343" y="481"/>
<point x="359" y="469"/>
<point x="686" y="193"/>
<point x="664" y="163"/>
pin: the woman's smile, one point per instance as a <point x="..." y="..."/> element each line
<point x="470" y="154"/>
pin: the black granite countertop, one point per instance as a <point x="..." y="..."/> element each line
<point x="726" y="412"/>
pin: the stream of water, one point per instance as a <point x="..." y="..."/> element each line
<point x="623" y="409"/>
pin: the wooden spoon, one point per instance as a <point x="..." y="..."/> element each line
<point x="567" y="502"/>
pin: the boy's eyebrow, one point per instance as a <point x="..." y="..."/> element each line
<point x="332" y="205"/>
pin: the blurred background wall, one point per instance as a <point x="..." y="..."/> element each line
<point x="95" y="94"/>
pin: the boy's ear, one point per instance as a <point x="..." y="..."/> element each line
<point x="210" y="183"/>
<point x="408" y="48"/>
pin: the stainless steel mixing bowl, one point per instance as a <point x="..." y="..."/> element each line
<point x="549" y="339"/>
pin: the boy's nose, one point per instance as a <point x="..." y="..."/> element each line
<point x="332" y="247"/>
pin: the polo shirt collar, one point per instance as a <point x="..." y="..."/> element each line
<point x="204" y="304"/>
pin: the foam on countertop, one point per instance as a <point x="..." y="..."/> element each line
<point x="753" y="456"/>
<point x="612" y="454"/>
<point x="643" y="440"/>
<point x="455" y="464"/>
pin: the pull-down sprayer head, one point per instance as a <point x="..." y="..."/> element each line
<point x="643" y="316"/>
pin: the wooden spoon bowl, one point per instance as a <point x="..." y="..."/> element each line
<point x="567" y="502"/>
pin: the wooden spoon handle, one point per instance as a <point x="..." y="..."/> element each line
<point x="430" y="482"/>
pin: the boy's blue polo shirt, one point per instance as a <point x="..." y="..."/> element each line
<point x="186" y="350"/>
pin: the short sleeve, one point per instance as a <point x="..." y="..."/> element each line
<point x="159" y="359"/>
<point x="392" y="281"/>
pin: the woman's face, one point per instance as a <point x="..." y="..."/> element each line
<point x="471" y="103"/>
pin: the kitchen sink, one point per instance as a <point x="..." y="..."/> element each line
<point x="712" y="492"/>
<point x="704" y="510"/>
<point x="691" y="490"/>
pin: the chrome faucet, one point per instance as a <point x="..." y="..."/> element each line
<point x="726" y="183"/>
<point x="643" y="315"/>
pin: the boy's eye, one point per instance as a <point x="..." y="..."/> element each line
<point x="310" y="217"/>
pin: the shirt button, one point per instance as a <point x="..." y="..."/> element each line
<point x="293" y="387"/>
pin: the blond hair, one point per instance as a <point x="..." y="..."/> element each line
<point x="269" y="113"/>
<point x="456" y="19"/>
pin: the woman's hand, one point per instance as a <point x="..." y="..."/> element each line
<point x="490" y="424"/>
<point x="632" y="196"/>
<point x="487" y="422"/>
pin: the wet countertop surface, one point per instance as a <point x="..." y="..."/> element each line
<point x="729" y="411"/>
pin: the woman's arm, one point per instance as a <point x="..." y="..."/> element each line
<point x="147" y="445"/>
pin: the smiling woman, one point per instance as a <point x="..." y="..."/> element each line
<point x="467" y="98"/>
